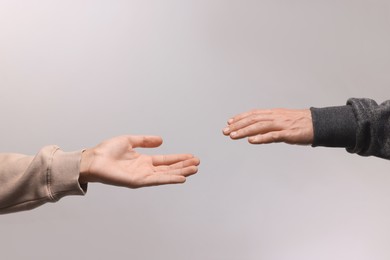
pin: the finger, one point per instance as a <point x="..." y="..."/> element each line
<point x="170" y="159"/>
<point x="240" y="116"/>
<point x="145" y="141"/>
<point x="248" y="113"/>
<point x="270" y="137"/>
<point x="179" y="165"/>
<point x="255" y="129"/>
<point x="244" y="122"/>
<point x="155" y="180"/>
<point x="187" y="171"/>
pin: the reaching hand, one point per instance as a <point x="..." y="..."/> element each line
<point x="115" y="162"/>
<point x="272" y="126"/>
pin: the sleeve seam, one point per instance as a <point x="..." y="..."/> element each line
<point x="51" y="195"/>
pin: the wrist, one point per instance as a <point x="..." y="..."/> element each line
<point x="85" y="163"/>
<point x="309" y="127"/>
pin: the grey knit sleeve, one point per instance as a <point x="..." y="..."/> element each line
<point x="334" y="126"/>
<point x="362" y="127"/>
<point x="373" y="127"/>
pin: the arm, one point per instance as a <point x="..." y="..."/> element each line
<point x="28" y="182"/>
<point x="362" y="126"/>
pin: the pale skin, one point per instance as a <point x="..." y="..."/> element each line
<point x="116" y="162"/>
<point x="264" y="126"/>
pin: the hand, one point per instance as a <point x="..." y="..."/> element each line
<point x="272" y="126"/>
<point x="115" y="162"/>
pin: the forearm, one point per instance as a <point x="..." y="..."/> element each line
<point x="28" y="182"/>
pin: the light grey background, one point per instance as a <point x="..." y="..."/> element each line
<point x="74" y="73"/>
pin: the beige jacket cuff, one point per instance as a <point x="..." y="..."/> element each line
<point x="63" y="175"/>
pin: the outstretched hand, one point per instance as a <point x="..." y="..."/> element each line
<point x="272" y="126"/>
<point x="115" y="162"/>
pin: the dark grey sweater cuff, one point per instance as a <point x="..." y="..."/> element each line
<point x="334" y="126"/>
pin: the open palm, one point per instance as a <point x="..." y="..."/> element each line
<point x="115" y="162"/>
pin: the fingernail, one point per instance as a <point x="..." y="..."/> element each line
<point x="230" y="121"/>
<point x="233" y="134"/>
<point x="252" y="139"/>
<point x="226" y="130"/>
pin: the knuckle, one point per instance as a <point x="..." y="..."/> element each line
<point x="253" y="119"/>
<point x="258" y="125"/>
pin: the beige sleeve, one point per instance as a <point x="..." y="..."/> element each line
<point x="27" y="182"/>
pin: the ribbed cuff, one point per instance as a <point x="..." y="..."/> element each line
<point x="334" y="126"/>
<point x="64" y="175"/>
